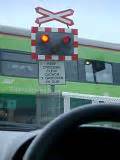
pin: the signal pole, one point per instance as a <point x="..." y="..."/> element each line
<point x="52" y="88"/>
<point x="51" y="47"/>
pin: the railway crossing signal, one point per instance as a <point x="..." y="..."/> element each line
<point x="54" y="44"/>
<point x="50" y="45"/>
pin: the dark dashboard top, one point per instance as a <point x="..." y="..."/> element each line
<point x="11" y="141"/>
<point x="76" y="143"/>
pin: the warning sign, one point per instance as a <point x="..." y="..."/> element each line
<point x="51" y="72"/>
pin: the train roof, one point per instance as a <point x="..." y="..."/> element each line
<point x="82" y="41"/>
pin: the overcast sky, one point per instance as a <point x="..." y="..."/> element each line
<point x="95" y="19"/>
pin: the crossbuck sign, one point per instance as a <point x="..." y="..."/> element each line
<point x="50" y="16"/>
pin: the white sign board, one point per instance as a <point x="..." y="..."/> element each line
<point x="51" y="72"/>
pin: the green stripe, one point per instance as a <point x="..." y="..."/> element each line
<point x="31" y="87"/>
<point x="16" y="85"/>
<point x="88" y="88"/>
<point x="14" y="43"/>
<point x="99" y="54"/>
<point x="23" y="44"/>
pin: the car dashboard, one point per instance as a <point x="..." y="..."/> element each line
<point x="13" y="144"/>
<point x="85" y="140"/>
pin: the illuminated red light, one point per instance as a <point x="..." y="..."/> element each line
<point x="44" y="38"/>
<point x="66" y="40"/>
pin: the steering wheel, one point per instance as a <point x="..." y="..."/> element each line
<point x="82" y="115"/>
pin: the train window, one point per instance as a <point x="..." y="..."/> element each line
<point x="98" y="71"/>
<point x="105" y="76"/>
<point x="76" y="102"/>
<point x="71" y="72"/>
<point x="89" y="72"/>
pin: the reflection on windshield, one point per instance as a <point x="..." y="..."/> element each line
<point x="29" y="109"/>
<point x="3" y="115"/>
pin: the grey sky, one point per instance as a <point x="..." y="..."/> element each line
<point x="95" y="19"/>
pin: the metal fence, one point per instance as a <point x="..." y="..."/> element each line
<point x="73" y="100"/>
<point x="48" y="107"/>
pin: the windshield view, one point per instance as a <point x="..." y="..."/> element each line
<point x="55" y="57"/>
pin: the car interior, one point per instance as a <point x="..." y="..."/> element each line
<point x="73" y="136"/>
<point x="59" y="80"/>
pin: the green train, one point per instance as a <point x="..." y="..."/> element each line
<point x="97" y="72"/>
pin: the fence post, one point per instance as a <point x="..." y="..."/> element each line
<point x="66" y="104"/>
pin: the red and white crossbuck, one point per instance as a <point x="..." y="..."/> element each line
<point x="58" y="16"/>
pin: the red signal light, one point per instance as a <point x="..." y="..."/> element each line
<point x="44" y="38"/>
<point x="66" y="40"/>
